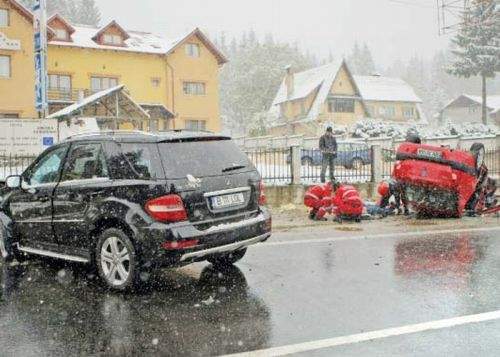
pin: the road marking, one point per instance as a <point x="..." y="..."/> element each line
<point x="382" y="235"/>
<point x="372" y="335"/>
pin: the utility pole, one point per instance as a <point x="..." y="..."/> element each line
<point x="40" y="41"/>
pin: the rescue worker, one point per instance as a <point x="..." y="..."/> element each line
<point x="328" y="148"/>
<point x="392" y="188"/>
<point x="491" y="189"/>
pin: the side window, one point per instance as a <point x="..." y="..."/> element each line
<point x="47" y="169"/>
<point x="139" y="158"/>
<point x="85" y="162"/>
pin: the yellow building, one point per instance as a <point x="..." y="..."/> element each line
<point x="17" y="67"/>
<point x="175" y="80"/>
<point x="307" y="100"/>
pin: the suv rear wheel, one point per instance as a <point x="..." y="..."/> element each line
<point x="228" y="258"/>
<point x="116" y="259"/>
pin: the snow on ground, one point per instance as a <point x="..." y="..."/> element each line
<point x="372" y="128"/>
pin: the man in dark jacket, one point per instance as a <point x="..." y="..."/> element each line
<point x="328" y="148"/>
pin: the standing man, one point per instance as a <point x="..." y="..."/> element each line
<point x="328" y="147"/>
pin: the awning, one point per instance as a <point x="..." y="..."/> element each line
<point x="113" y="103"/>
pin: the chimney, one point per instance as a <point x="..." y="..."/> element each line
<point x="289" y="81"/>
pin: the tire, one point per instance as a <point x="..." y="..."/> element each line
<point x="116" y="260"/>
<point x="228" y="258"/>
<point x="307" y="161"/>
<point x="356" y="164"/>
<point x="477" y="149"/>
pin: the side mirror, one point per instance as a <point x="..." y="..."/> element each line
<point x="13" y="181"/>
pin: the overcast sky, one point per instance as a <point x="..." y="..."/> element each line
<point x="392" y="28"/>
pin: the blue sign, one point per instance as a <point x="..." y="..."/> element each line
<point x="38" y="42"/>
<point x="48" y="141"/>
<point x="36" y="5"/>
<point x="40" y="81"/>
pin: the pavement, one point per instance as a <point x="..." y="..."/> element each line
<point x="391" y="287"/>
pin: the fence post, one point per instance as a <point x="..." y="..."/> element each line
<point x="296" y="164"/>
<point x="376" y="163"/>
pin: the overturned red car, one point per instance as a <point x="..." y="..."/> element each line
<point x="443" y="182"/>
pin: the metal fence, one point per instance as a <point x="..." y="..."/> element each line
<point x="14" y="164"/>
<point x="388" y="160"/>
<point x="350" y="166"/>
<point x="274" y="165"/>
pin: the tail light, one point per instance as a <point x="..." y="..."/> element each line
<point x="169" y="208"/>
<point x="182" y="244"/>
<point x="262" y="194"/>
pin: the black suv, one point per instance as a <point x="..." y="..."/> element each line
<point x="132" y="202"/>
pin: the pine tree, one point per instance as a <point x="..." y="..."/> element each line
<point x="477" y="45"/>
<point x="88" y="13"/>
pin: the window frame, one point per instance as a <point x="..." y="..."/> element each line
<point x="59" y="87"/>
<point x="101" y="82"/>
<point x="29" y="169"/>
<point x="189" y="50"/>
<point x="7" y="11"/>
<point x="58" y="31"/>
<point x="9" y="67"/>
<point x="409" y="112"/>
<point x="342" y="105"/>
<point x="157" y="80"/>
<point x="101" y="154"/>
<point x="114" y="40"/>
<point x="198" y="122"/>
<point x="187" y="88"/>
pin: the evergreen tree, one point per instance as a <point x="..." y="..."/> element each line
<point x="88" y="13"/>
<point x="360" y="61"/>
<point x="477" y="45"/>
<point x="249" y="82"/>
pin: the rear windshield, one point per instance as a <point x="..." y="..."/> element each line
<point x="202" y="158"/>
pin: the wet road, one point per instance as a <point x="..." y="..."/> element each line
<point x="294" y="290"/>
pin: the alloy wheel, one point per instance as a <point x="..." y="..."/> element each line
<point x="115" y="261"/>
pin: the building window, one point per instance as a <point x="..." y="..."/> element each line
<point x="98" y="84"/>
<point x="193" y="50"/>
<point x="473" y="109"/>
<point x="371" y="110"/>
<point x="409" y="112"/>
<point x="387" y="111"/>
<point x="4" y="17"/>
<point x="5" y="66"/>
<point x="194" y="88"/>
<point x="155" y="82"/>
<point x="60" y="82"/>
<point x="196" y="125"/>
<point x="61" y="34"/>
<point x="109" y="39"/>
<point x="341" y="105"/>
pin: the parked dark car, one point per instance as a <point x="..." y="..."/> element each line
<point x="351" y="155"/>
<point x="132" y="202"/>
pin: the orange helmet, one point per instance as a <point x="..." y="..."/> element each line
<point x="383" y="189"/>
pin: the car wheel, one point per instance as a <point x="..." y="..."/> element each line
<point x="477" y="149"/>
<point x="307" y="161"/>
<point x="228" y="258"/>
<point x="116" y="259"/>
<point x="356" y="164"/>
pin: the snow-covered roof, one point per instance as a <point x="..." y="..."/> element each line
<point x="379" y="88"/>
<point x="138" y="41"/>
<point x="492" y="101"/>
<point x="94" y="98"/>
<point x="304" y="83"/>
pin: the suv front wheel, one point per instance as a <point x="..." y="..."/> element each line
<point x="228" y="258"/>
<point x="116" y="259"/>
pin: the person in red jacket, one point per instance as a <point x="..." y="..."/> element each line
<point x="342" y="200"/>
<point x="319" y="199"/>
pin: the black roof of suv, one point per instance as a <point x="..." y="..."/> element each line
<point x="140" y="136"/>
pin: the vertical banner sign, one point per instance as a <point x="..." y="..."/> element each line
<point x="40" y="40"/>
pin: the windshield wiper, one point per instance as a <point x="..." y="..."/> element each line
<point x="234" y="167"/>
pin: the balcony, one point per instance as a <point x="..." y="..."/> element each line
<point x="62" y="95"/>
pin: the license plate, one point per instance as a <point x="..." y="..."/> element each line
<point x="431" y="154"/>
<point x="224" y="201"/>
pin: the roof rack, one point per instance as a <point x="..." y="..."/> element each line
<point x="108" y="132"/>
